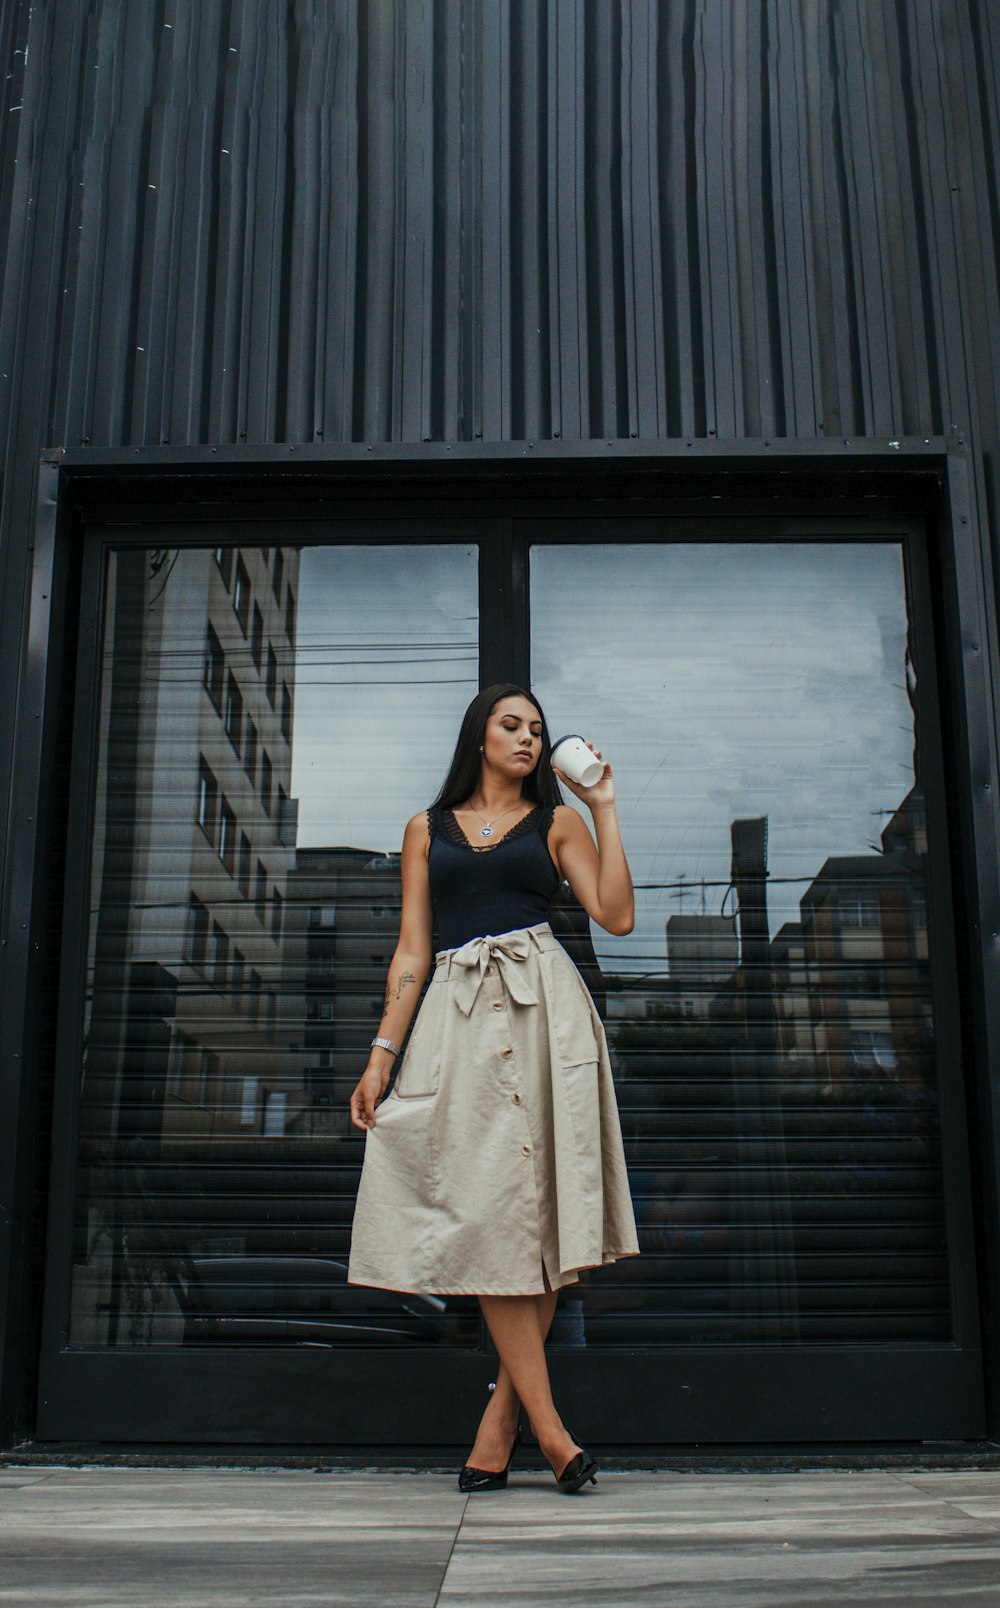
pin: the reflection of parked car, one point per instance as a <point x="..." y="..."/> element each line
<point x="294" y="1300"/>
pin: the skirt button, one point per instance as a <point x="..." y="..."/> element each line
<point x="525" y="1150"/>
<point x="516" y="1098"/>
<point x="507" y="1053"/>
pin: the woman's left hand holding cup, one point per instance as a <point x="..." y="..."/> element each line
<point x="602" y="793"/>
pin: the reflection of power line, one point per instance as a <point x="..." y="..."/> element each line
<point x="159" y="559"/>
<point x="378" y="658"/>
<point x="707" y="882"/>
<point x="362" y="681"/>
<point x="182" y="659"/>
<point x="372" y="649"/>
<point x="408" y="681"/>
<point x="191" y="639"/>
<point x="683" y="888"/>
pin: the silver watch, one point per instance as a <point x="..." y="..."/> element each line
<point x="385" y="1044"/>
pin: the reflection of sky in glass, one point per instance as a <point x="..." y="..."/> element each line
<point x="722" y="681"/>
<point x="386" y="662"/>
<point x="727" y="681"/>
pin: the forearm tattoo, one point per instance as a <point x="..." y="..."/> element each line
<point x="391" y="993"/>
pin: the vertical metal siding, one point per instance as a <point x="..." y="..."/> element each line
<point x="446" y="220"/>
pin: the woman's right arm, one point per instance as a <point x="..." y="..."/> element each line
<point x="407" y="972"/>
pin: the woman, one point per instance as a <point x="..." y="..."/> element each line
<point x="495" y="1166"/>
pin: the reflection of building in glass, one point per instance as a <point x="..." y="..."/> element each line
<point x="702" y="952"/>
<point x="571" y="925"/>
<point x="791" y="996"/>
<point x="345" y="907"/>
<point x="635" y="998"/>
<point x="186" y="1022"/>
<point x="193" y="834"/>
<point x="726" y="1065"/>
<point x="864" y="962"/>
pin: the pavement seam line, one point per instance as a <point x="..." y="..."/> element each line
<point x="451" y="1552"/>
<point x="949" y="1502"/>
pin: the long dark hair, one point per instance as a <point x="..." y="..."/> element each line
<point x="540" y="785"/>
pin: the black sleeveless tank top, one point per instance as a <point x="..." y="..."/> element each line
<point x="480" y="891"/>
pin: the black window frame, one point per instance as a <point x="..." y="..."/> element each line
<point x="228" y="827"/>
<point x="215" y="667"/>
<point x="232" y="718"/>
<point x="960" y="606"/>
<point x="206" y="811"/>
<point x="256" y="988"/>
<point x="243" y="863"/>
<point x="181" y="1052"/>
<point x="237" y="978"/>
<point x="223" y="556"/>
<point x="251" y="746"/>
<point x="242" y="595"/>
<point x="270" y="1014"/>
<point x="217" y="966"/>
<point x="197" y="932"/>
<point x="257" y="637"/>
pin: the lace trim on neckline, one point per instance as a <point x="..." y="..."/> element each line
<point x="452" y="832"/>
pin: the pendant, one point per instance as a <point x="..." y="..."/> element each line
<point x="486" y="831"/>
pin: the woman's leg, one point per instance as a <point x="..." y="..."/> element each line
<point x="515" y="1324"/>
<point x="499" y="1421"/>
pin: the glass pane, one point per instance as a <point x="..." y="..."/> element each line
<point x="770" y="1016"/>
<point x="258" y="757"/>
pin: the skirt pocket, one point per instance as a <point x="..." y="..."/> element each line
<point x="419" y="1074"/>
<point x="573" y="1026"/>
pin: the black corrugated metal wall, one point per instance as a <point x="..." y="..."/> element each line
<point x="259" y="221"/>
<point x="247" y="220"/>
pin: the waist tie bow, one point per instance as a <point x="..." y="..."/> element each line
<point x="475" y="956"/>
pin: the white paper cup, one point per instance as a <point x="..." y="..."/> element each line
<point x="572" y="756"/>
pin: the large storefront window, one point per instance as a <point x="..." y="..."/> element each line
<point x="256" y="721"/>
<point x="270" y="717"/>
<point x="770" y="1016"/>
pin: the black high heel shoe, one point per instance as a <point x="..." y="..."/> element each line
<point x="580" y="1468"/>
<point x="481" y="1479"/>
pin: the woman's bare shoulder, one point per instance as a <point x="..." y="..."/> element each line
<point x="417" y="827"/>
<point x="566" y="819"/>
<point x="416" y="842"/>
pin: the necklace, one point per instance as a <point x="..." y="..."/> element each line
<point x="487" y="829"/>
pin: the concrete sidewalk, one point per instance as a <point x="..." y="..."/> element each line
<point x="142" y="1538"/>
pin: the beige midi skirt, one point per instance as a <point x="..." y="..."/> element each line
<point x="498" y="1151"/>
